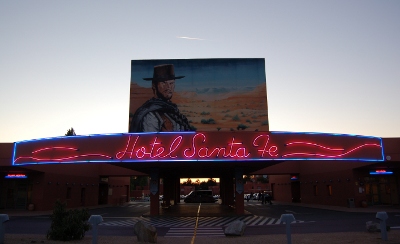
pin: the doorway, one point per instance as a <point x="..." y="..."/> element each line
<point x="295" y="188"/>
<point x="103" y="193"/>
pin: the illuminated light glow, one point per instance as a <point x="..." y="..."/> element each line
<point x="323" y="133"/>
<point x="272" y="151"/>
<point x="314" y="144"/>
<point x="66" y="158"/>
<point x="16" y="176"/>
<point x="51" y="148"/>
<point x="190" y="149"/>
<point x="121" y="154"/>
<point x="381" y="172"/>
<point x="156" y="151"/>
<point x="175" y="145"/>
<point x="234" y="149"/>
<point x="293" y="177"/>
<point x="62" y="158"/>
<point x="196" y="146"/>
<point x="330" y="156"/>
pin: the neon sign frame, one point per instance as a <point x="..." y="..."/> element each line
<point x="198" y="146"/>
<point x="16" y="176"/>
<point x="381" y="172"/>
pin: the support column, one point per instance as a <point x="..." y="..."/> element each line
<point x="222" y="190"/>
<point x="177" y="190"/>
<point x="229" y="190"/>
<point x="239" y="191"/>
<point x="154" y="193"/>
<point x="168" y="192"/>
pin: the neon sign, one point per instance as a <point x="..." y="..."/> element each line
<point x="341" y="153"/>
<point x="381" y="172"/>
<point x="16" y="176"/>
<point x="200" y="146"/>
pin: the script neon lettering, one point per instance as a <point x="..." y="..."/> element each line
<point x="241" y="150"/>
<point x="175" y="145"/>
<point x="121" y="154"/>
<point x="272" y="150"/>
<point x="193" y="146"/>
<point x="153" y="152"/>
<point x="235" y="151"/>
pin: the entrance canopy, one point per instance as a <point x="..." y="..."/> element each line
<point x="197" y="150"/>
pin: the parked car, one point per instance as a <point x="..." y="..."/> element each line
<point x="200" y="196"/>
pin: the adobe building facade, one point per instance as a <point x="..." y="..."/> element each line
<point x="348" y="183"/>
<point x="365" y="173"/>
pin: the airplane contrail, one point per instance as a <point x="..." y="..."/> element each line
<point x="190" y="38"/>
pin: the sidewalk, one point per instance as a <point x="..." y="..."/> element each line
<point x="315" y="238"/>
<point x="25" y="212"/>
<point x="369" y="209"/>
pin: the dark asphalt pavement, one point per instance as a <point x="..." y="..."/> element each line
<point x="314" y="220"/>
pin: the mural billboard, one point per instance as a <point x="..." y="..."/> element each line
<point x="198" y="95"/>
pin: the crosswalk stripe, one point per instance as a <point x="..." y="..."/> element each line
<point x="189" y="232"/>
<point x="189" y="222"/>
<point x="256" y="221"/>
<point x="264" y="220"/>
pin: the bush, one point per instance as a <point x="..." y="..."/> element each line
<point x="68" y="225"/>
<point x="208" y="121"/>
<point x="242" y="127"/>
<point x="235" y="118"/>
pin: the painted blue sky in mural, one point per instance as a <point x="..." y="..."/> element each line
<point x="206" y="75"/>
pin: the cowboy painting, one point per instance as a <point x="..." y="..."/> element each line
<point x="159" y="114"/>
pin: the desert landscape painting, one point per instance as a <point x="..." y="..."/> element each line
<point x="234" y="102"/>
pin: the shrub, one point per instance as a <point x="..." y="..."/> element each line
<point x="68" y="225"/>
<point x="235" y="118"/>
<point x="208" y="121"/>
<point x="242" y="127"/>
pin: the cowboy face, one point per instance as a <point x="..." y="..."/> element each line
<point x="165" y="89"/>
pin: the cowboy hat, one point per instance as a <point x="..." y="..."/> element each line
<point x="164" y="72"/>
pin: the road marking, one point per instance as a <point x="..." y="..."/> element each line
<point x="189" y="232"/>
<point x="190" y="222"/>
<point x="195" y="226"/>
